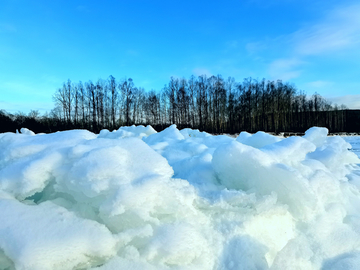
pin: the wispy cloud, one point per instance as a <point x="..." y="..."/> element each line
<point x="26" y="106"/>
<point x="201" y="71"/>
<point x="351" y="101"/>
<point x="320" y="84"/>
<point x="285" y="69"/>
<point x="255" y="47"/>
<point x="338" y="30"/>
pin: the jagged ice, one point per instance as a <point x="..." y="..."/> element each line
<point x="135" y="198"/>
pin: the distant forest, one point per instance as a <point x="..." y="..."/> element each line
<point x="211" y="104"/>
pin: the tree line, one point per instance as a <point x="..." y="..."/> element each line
<point x="211" y="104"/>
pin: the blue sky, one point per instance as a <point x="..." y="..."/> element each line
<point x="313" y="44"/>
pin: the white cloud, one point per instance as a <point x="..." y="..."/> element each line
<point x="320" y="84"/>
<point x="201" y="71"/>
<point x="285" y="69"/>
<point x="26" y="106"/>
<point x="336" y="32"/>
<point x="351" y="101"/>
<point x="254" y="47"/>
<point x="339" y="30"/>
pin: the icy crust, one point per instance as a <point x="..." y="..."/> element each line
<point x="135" y="198"/>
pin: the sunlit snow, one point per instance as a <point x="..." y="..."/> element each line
<point x="178" y="199"/>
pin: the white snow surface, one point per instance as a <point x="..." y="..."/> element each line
<point x="135" y="198"/>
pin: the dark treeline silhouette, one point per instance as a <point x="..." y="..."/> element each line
<point x="211" y="104"/>
<point x="46" y="123"/>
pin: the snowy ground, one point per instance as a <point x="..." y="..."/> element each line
<point x="138" y="199"/>
<point x="355" y="143"/>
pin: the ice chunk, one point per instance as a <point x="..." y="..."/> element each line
<point x="124" y="132"/>
<point x="167" y="135"/>
<point x="194" y="133"/>
<point x="316" y="135"/>
<point x="279" y="229"/>
<point x="290" y="150"/>
<point x="299" y="253"/>
<point x="257" y="140"/>
<point x="215" y="141"/>
<point x="137" y="199"/>
<point x="129" y="263"/>
<point x="243" y="136"/>
<point x="49" y="237"/>
<point x="100" y="166"/>
<point x="26" y="131"/>
<point x="148" y="201"/>
<point x="239" y="166"/>
<point x="244" y="253"/>
<point x="176" y="244"/>
<point x="28" y="176"/>
<point x="346" y="261"/>
<point x="334" y="154"/>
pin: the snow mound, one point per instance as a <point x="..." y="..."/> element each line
<point x="135" y="198"/>
<point x="49" y="237"/>
<point x="257" y="140"/>
<point x="124" y="132"/>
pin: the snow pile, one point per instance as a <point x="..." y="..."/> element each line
<point x="137" y="199"/>
<point x="133" y="131"/>
<point x="258" y="140"/>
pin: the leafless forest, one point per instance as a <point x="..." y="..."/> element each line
<point x="211" y="104"/>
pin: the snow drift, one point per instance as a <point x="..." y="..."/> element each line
<point x="178" y="199"/>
